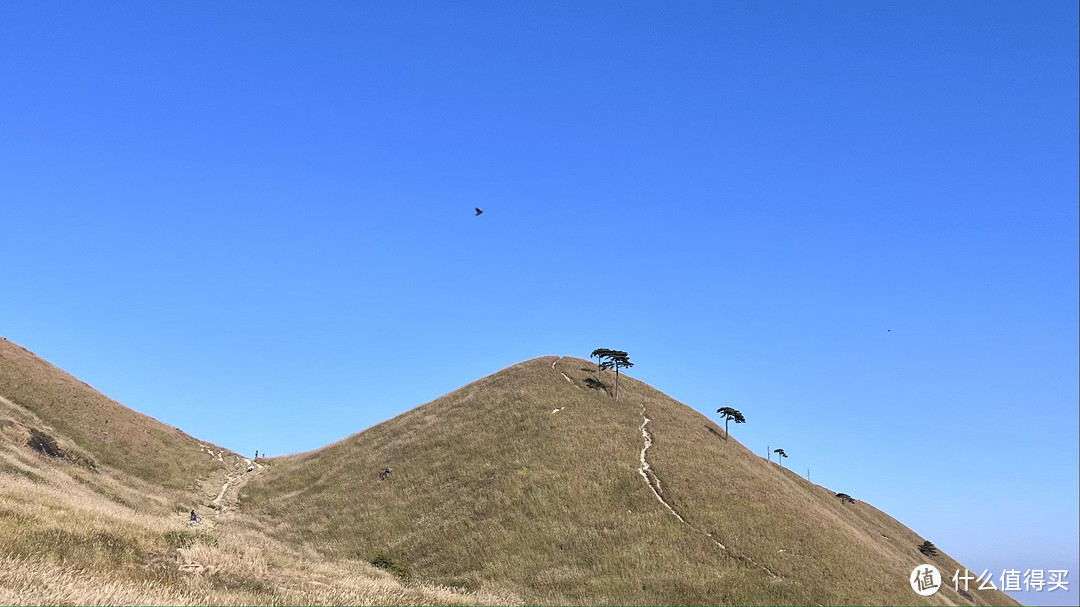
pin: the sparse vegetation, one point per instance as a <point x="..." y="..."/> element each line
<point x="845" y="498"/>
<point x="928" y="548"/>
<point x="729" y="414"/>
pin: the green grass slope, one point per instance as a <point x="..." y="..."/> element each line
<point x="529" y="480"/>
<point x="92" y="429"/>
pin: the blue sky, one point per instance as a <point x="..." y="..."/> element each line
<point x="855" y="222"/>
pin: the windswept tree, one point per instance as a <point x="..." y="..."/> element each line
<point x="928" y="548"/>
<point x="845" y="498"/>
<point x="780" y="455"/>
<point x="730" y="414"/>
<point x="619" y="359"/>
<point x="608" y="359"/>
<point x="602" y="356"/>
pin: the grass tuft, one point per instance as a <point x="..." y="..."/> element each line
<point x="393" y="565"/>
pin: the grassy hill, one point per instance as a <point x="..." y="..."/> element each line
<point x="93" y="511"/>
<point x="531" y="484"/>
<point x="532" y="480"/>
<point x="95" y="429"/>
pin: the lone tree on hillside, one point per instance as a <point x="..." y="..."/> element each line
<point x="780" y="455"/>
<point x="730" y="414"/>
<point x="601" y="355"/>
<point x="845" y="498"/>
<point x="608" y="359"/>
<point x="619" y="359"/>
<point x="928" y="548"/>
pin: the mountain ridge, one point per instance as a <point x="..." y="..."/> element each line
<point x="530" y="484"/>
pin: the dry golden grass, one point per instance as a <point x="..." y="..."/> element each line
<point x="522" y="486"/>
<point x="838" y="553"/>
<point x="64" y="541"/>
<point x="106" y="432"/>
<point x="92" y="529"/>
<point x="492" y="487"/>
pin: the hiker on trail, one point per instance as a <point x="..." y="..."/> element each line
<point x="194" y="517"/>
<point x="250" y="468"/>
<point x="256" y="454"/>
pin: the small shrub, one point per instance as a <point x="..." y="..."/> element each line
<point x="388" y="563"/>
<point x="928" y="548"/>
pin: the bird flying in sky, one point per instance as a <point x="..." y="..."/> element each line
<point x="478" y="211"/>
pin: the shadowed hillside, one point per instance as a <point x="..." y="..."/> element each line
<point x="536" y="480"/>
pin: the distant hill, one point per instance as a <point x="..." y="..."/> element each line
<point x="532" y="480"/>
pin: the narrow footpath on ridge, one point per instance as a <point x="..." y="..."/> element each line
<point x="653" y="482"/>
<point x="654" y="485"/>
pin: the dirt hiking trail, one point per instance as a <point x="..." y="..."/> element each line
<point x="221" y="489"/>
<point x="654" y="485"/>
<point x="653" y="482"/>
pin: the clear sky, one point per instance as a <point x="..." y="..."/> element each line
<point x="855" y="222"/>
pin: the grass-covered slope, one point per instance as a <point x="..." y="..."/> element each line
<point x="488" y="485"/>
<point x="41" y="397"/>
<point x="530" y="479"/>
<point x="526" y="484"/>
<point x="73" y="536"/>
<point x="93" y="511"/>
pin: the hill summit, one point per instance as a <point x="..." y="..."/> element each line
<point x="537" y="481"/>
